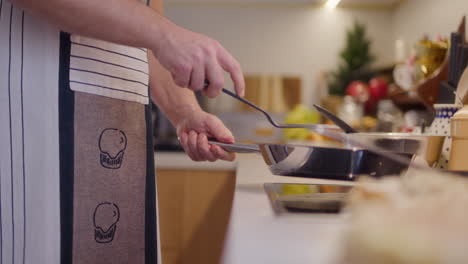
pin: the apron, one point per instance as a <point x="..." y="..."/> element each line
<point x="77" y="179"/>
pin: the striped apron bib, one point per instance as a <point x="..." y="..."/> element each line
<point x="77" y="179"/>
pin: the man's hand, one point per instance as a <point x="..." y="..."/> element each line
<point x="192" y="58"/>
<point x="194" y="131"/>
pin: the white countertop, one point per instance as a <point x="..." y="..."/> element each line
<point x="255" y="233"/>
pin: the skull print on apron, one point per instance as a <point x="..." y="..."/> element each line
<point x="105" y="219"/>
<point x="112" y="144"/>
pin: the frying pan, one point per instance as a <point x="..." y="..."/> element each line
<point x="322" y="162"/>
<point x="427" y="146"/>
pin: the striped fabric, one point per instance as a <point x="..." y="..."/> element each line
<point x="29" y="132"/>
<point x="108" y="69"/>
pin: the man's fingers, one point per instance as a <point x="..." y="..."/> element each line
<point x="222" y="154"/>
<point x="204" y="148"/>
<point x="197" y="79"/>
<point x="232" y="66"/>
<point x="181" y="72"/>
<point x="192" y="145"/>
<point x="181" y="79"/>
<point x="183" y="138"/>
<point x="215" y="78"/>
<point x="198" y="149"/>
<point x="220" y="131"/>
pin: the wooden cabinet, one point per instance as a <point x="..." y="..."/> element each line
<point x="274" y="93"/>
<point x="194" y="210"/>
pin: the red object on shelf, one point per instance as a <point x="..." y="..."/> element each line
<point x="370" y="106"/>
<point x="378" y="88"/>
<point x="358" y="90"/>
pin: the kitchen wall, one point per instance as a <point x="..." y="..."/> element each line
<point x="298" y="41"/>
<point x="413" y="18"/>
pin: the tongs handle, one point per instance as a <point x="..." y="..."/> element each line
<point x="226" y="91"/>
<point x="236" y="147"/>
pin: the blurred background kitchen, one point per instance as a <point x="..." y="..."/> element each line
<point x="378" y="64"/>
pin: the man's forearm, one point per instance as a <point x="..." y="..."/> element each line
<point x="127" y="22"/>
<point x="175" y="102"/>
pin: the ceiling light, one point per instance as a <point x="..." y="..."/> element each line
<point x="332" y="3"/>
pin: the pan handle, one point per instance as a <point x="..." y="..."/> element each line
<point x="236" y="147"/>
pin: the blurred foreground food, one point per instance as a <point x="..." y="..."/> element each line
<point x="421" y="218"/>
